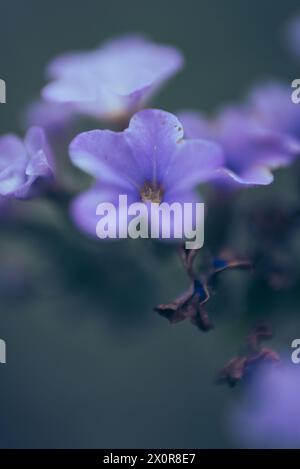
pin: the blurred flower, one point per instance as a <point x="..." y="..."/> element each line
<point x="272" y="105"/>
<point x="24" y="164"/>
<point x="113" y="81"/>
<point x="268" y="415"/>
<point x="53" y="117"/>
<point x="148" y="162"/>
<point x="251" y="149"/>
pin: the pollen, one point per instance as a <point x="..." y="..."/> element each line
<point x="151" y="193"/>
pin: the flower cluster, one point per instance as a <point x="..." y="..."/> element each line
<point x="256" y="138"/>
<point x="153" y="156"/>
<point x="150" y="160"/>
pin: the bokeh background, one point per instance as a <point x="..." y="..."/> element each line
<point x="89" y="363"/>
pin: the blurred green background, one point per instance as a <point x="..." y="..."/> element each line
<point x="89" y="364"/>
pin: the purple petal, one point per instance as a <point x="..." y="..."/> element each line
<point x="269" y="413"/>
<point x="114" y="80"/>
<point x="21" y="164"/>
<point x="41" y="162"/>
<point x="272" y="104"/>
<point x="12" y="178"/>
<point x="150" y="153"/>
<point x="154" y="137"/>
<point x="141" y="153"/>
<point x="106" y="155"/>
<point x="195" y="161"/>
<point x="83" y="208"/>
<point x="54" y="118"/>
<point x="255" y="175"/>
<point x="11" y="150"/>
<point x="251" y="148"/>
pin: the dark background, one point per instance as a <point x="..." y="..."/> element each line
<point x="89" y="363"/>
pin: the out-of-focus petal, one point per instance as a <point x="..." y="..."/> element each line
<point x="22" y="164"/>
<point x="53" y="117"/>
<point x="195" y="124"/>
<point x="11" y="150"/>
<point x="271" y="104"/>
<point x="269" y="412"/>
<point x="114" y="80"/>
<point x="251" y="147"/>
<point x="41" y="162"/>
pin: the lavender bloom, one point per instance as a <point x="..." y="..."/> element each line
<point x="251" y="149"/>
<point x="23" y="164"/>
<point x="269" y="413"/>
<point x="148" y="162"/>
<point x="113" y="81"/>
<point x="271" y="103"/>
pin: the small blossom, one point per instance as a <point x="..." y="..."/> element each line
<point x="269" y="413"/>
<point x="148" y="162"/>
<point x="24" y="164"/>
<point x="251" y="149"/>
<point x="113" y="81"/>
<point x="271" y="103"/>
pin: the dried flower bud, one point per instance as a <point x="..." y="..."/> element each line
<point x="238" y="367"/>
<point x="189" y="306"/>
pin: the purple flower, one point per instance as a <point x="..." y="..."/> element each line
<point x="148" y="162"/>
<point x="251" y="149"/>
<point x="24" y="164"/>
<point x="113" y="81"/>
<point x="271" y="103"/>
<point x="269" y="413"/>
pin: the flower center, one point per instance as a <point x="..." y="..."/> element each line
<point x="151" y="193"/>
